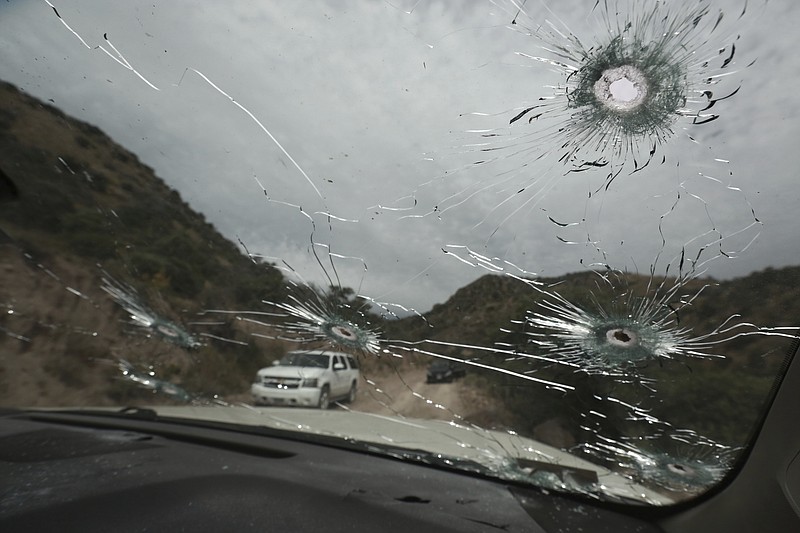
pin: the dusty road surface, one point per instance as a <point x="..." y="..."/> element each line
<point x="406" y="393"/>
<point x="403" y="391"/>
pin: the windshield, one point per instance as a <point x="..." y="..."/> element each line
<point x="587" y="207"/>
<point x="305" y="359"/>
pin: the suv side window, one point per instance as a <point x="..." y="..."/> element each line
<point x="353" y="363"/>
<point x="338" y="359"/>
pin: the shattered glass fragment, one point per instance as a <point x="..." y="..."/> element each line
<point x="334" y="318"/>
<point x="623" y="102"/>
<point x="400" y="346"/>
<point x="617" y="337"/>
<point x="313" y="317"/>
<point x="116" y="55"/>
<point x="563" y="479"/>
<point x="652" y="72"/>
<point x="147" y="379"/>
<point x="143" y="317"/>
<point x="684" y="462"/>
<point x="341" y="318"/>
<point x="629" y="97"/>
<point x="620" y="330"/>
<point x="264" y="129"/>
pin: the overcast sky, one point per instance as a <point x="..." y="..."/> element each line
<point x="379" y="109"/>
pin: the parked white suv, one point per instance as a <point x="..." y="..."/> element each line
<point x="309" y="378"/>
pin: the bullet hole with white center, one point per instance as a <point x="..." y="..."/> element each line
<point x="622" y="337"/>
<point x="343" y="332"/>
<point x="621" y="89"/>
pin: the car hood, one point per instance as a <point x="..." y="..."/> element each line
<point x="291" y="372"/>
<point x="499" y="454"/>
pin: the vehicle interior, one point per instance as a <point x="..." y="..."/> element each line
<point x="535" y="262"/>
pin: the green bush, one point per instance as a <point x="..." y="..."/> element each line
<point x="145" y="264"/>
<point x="183" y="280"/>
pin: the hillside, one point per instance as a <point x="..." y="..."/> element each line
<point x="475" y="313"/>
<point x="76" y="207"/>
<point x="491" y="312"/>
<point x="80" y="214"/>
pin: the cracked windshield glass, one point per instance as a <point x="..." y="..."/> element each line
<point x="547" y="242"/>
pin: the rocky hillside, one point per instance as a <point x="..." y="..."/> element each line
<point x="476" y="312"/>
<point x="491" y="312"/>
<point x="75" y="207"/>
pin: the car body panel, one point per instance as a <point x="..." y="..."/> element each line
<point x="288" y="385"/>
<point x="494" y="450"/>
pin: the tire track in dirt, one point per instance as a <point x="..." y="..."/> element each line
<point x="405" y="392"/>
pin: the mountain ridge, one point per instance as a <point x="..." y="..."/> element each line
<point x="75" y="208"/>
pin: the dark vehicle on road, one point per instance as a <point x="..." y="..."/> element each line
<point x="442" y="371"/>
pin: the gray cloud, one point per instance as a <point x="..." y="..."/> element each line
<point x="373" y="104"/>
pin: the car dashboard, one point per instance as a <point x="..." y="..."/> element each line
<point x="85" y="472"/>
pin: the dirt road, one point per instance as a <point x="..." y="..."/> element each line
<point x="406" y="393"/>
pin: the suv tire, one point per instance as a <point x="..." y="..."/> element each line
<point x="324" y="398"/>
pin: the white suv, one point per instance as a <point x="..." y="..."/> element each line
<point x="310" y="378"/>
